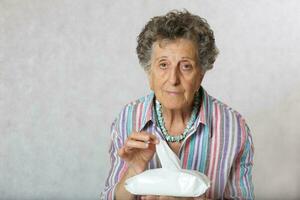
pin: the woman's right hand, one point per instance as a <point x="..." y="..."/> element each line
<point x="138" y="150"/>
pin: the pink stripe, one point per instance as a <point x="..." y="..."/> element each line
<point x="110" y="195"/>
<point x="243" y="142"/>
<point x="214" y="152"/>
<point x="122" y="171"/>
<point x="139" y="116"/>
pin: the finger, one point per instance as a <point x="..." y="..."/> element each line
<point x="128" y="150"/>
<point x="144" y="136"/>
<point x="130" y="144"/>
<point x="150" y="197"/>
<point x="143" y="197"/>
<point x="122" y="152"/>
<point x="153" y="138"/>
<point x="140" y="136"/>
<point x="174" y="198"/>
<point x="202" y="197"/>
<point x="164" y="198"/>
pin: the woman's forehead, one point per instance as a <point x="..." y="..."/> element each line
<point x="181" y="47"/>
<point x="177" y="41"/>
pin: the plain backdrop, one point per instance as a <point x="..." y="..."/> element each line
<point x="67" y="67"/>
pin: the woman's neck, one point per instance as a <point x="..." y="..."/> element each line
<point x="176" y="120"/>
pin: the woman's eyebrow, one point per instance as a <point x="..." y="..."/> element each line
<point x="186" y="57"/>
<point x="161" y="57"/>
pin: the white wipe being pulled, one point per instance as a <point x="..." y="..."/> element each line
<point x="170" y="180"/>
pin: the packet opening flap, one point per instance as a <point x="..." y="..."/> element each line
<point x="167" y="157"/>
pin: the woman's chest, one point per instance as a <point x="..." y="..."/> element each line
<point x="175" y="147"/>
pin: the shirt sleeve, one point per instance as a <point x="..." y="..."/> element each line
<point x="117" y="166"/>
<point x="239" y="185"/>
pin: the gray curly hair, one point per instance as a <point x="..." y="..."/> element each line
<point x="176" y="24"/>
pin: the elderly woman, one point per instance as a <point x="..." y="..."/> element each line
<point x="176" y="50"/>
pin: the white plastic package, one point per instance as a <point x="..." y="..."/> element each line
<point x="170" y="180"/>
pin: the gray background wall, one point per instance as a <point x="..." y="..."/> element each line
<point x="67" y="67"/>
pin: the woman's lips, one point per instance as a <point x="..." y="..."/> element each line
<point x="173" y="93"/>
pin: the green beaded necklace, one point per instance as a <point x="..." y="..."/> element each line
<point x="161" y="122"/>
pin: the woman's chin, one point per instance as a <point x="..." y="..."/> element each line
<point x="173" y="102"/>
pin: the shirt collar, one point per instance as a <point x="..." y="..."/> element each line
<point x="149" y="116"/>
<point x="205" y="111"/>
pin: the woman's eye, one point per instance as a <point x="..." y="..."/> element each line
<point x="186" y="66"/>
<point x="163" y="65"/>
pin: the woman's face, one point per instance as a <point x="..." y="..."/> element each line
<point x="174" y="75"/>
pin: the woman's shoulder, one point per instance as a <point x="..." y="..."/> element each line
<point x="231" y="123"/>
<point x="138" y="104"/>
<point x="133" y="114"/>
<point x="225" y="108"/>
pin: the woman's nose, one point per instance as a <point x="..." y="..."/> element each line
<point x="174" y="76"/>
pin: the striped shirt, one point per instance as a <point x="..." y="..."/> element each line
<point x="219" y="144"/>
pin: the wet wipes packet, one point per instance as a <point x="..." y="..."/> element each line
<point x="170" y="180"/>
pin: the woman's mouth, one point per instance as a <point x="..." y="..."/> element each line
<point x="174" y="93"/>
